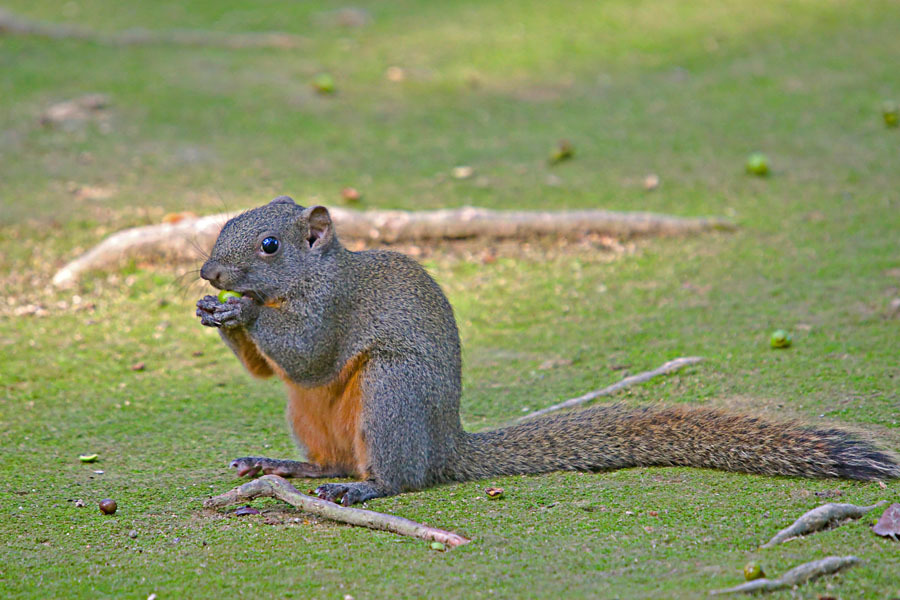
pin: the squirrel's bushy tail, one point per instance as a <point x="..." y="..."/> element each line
<point x="616" y="436"/>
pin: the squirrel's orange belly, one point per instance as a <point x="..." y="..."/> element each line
<point x="327" y="419"/>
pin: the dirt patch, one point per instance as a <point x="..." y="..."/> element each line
<point x="72" y="114"/>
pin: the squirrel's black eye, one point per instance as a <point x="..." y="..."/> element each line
<point x="269" y="245"/>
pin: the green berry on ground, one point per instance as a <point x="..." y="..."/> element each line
<point x="758" y="164"/>
<point x="891" y="113"/>
<point x="324" y="83"/>
<point x="753" y="571"/>
<point x="780" y="339"/>
<point x="563" y="151"/>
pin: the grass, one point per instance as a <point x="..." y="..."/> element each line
<point x="684" y="90"/>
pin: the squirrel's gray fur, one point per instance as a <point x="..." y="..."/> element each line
<point x="313" y="306"/>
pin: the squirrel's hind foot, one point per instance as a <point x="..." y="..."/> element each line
<point x="251" y="466"/>
<point x="349" y="493"/>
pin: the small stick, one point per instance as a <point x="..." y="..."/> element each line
<point x="670" y="367"/>
<point x="796" y="576"/>
<point x="820" y="518"/>
<point x="273" y="486"/>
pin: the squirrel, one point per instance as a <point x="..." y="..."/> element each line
<point x="367" y="346"/>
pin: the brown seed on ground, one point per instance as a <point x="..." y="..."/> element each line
<point x="108" y="506"/>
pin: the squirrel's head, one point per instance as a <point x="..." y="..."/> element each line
<point x="262" y="252"/>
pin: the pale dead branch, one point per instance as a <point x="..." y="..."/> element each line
<point x="669" y="367"/>
<point x="273" y="486"/>
<point x="820" y="518"/>
<point x="186" y="240"/>
<point x="796" y="576"/>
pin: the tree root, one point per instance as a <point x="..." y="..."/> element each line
<point x="12" y="24"/>
<point x="670" y="367"/>
<point x="796" y="576"/>
<point x="819" y="518"/>
<point x="188" y="239"/>
<point x="273" y="486"/>
<point x="470" y="222"/>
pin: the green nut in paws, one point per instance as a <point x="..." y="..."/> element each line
<point x="224" y="295"/>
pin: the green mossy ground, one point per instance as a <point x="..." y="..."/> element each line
<point x="683" y="90"/>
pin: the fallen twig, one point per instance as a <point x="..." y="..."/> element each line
<point x="12" y="24"/>
<point x="796" y="576"/>
<point x="820" y="518"/>
<point x="273" y="486"/>
<point x="186" y="239"/>
<point x="669" y="367"/>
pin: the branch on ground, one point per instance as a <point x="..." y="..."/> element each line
<point x="796" y="576"/>
<point x="187" y="239"/>
<point x="670" y="367"/>
<point x="820" y="518"/>
<point x="273" y="486"/>
<point x="11" y="24"/>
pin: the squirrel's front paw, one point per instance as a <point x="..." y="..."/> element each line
<point x="235" y="312"/>
<point x="206" y="310"/>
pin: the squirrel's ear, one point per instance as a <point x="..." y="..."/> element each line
<point x="321" y="230"/>
<point x="283" y="200"/>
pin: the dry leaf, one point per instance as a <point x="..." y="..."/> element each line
<point x="494" y="493"/>
<point x="175" y="217"/>
<point x="395" y="74"/>
<point x="563" y="151"/>
<point x="889" y="523"/>
<point x="462" y="172"/>
<point x="350" y="195"/>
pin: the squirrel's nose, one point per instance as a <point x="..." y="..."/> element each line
<point x="212" y="272"/>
